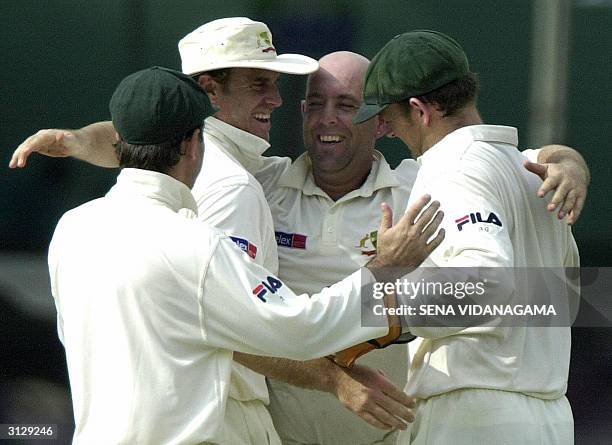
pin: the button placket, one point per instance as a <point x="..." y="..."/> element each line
<point x="330" y="223"/>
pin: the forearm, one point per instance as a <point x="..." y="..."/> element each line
<point x="318" y="374"/>
<point x="95" y="144"/>
<point x="556" y="154"/>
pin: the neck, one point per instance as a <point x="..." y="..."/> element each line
<point x="183" y="173"/>
<point x="446" y="125"/>
<point x="336" y="185"/>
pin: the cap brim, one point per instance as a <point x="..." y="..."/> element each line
<point x="285" y="63"/>
<point x="367" y="112"/>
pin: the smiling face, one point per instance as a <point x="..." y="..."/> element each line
<point x="333" y="96"/>
<point x="247" y="98"/>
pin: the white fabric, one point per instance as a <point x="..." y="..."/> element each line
<point x="230" y="199"/>
<point x="485" y="417"/>
<point x="477" y="169"/>
<point x="238" y="42"/>
<point x="248" y="423"/>
<point x="338" y="242"/>
<point x="151" y="304"/>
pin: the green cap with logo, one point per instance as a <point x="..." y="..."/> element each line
<point x="157" y="105"/>
<point x="409" y="65"/>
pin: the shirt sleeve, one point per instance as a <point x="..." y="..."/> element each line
<point x="242" y="213"/>
<point x="476" y="225"/>
<point x="246" y="308"/>
<point x="477" y="245"/>
<point x="531" y="154"/>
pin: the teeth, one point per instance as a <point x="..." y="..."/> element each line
<point x="330" y="138"/>
<point x="261" y="116"/>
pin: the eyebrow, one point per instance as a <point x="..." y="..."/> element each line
<point x="340" y="97"/>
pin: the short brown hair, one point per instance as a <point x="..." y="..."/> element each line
<point x="155" y="157"/>
<point x="453" y="96"/>
<point x="221" y="76"/>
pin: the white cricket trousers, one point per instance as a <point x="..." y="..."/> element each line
<point x="487" y="417"/>
<point x="248" y="423"/>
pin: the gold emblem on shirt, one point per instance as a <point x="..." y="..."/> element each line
<point x="368" y="243"/>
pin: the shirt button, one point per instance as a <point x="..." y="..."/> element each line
<point x="330" y="230"/>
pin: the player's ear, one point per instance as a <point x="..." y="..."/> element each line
<point x="191" y="146"/>
<point x="421" y="110"/>
<point x="382" y="127"/>
<point x="303" y="107"/>
<point x="211" y="86"/>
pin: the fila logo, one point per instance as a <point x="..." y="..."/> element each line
<point x="476" y="217"/>
<point x="246" y="246"/>
<point x="270" y="284"/>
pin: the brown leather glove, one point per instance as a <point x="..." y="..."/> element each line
<point x="347" y="357"/>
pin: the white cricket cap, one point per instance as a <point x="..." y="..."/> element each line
<point x="238" y="42"/>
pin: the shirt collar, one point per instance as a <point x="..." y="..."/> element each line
<point x="134" y="182"/>
<point x="244" y="147"/>
<point x="452" y="147"/>
<point x="299" y="176"/>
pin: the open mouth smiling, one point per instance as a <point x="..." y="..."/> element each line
<point x="330" y="138"/>
<point x="262" y="117"/>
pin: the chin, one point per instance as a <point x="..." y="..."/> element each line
<point x="265" y="136"/>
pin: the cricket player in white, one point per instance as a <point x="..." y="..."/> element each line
<point x="151" y="303"/>
<point x="479" y="384"/>
<point x="340" y="236"/>
<point x="329" y="199"/>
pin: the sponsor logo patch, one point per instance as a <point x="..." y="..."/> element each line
<point x="292" y="240"/>
<point x="245" y="245"/>
<point x="475" y="218"/>
<point x="270" y="284"/>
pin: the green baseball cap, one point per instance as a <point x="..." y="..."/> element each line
<point x="410" y="64"/>
<point x="157" y="105"/>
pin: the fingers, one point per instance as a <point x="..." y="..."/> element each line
<point x="568" y="204"/>
<point x="551" y="183"/>
<point x="559" y="197"/>
<point x="396" y="412"/>
<point x="386" y="218"/>
<point x="434" y="243"/>
<point x="538" y="169"/>
<point x="383" y="412"/>
<point x="416" y="207"/>
<point x="49" y="142"/>
<point x="433" y="225"/>
<point x="425" y="218"/>
<point x="374" y="421"/>
<point x="396" y="394"/>
<point x="20" y="155"/>
<point x="574" y="214"/>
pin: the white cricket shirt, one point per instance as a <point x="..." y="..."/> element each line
<point x="230" y="199"/>
<point x="478" y="169"/>
<point x="320" y="241"/>
<point x="151" y="304"/>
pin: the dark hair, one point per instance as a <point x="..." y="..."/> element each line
<point x="155" y="157"/>
<point x="453" y="96"/>
<point x="220" y="76"/>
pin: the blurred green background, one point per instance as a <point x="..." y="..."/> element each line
<point x="61" y="60"/>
